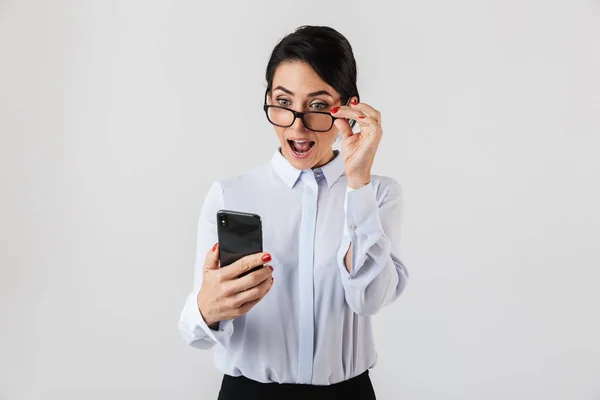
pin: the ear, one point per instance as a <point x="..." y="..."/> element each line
<point x="351" y="99"/>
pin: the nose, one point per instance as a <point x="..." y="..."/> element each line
<point x="299" y="126"/>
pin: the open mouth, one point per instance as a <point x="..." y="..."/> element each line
<point x="301" y="148"/>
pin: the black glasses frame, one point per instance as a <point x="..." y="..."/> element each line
<point x="298" y="114"/>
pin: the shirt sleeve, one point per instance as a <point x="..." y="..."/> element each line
<point x="192" y="326"/>
<point x="372" y="226"/>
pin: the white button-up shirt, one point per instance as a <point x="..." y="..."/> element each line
<point x="314" y="326"/>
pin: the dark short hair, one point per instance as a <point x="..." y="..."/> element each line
<point x="326" y="50"/>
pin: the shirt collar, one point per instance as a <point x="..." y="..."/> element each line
<point x="332" y="170"/>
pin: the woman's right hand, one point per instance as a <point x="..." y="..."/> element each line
<point x="223" y="295"/>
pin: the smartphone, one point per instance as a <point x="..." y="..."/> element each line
<point x="240" y="234"/>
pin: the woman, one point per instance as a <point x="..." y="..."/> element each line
<point x="301" y="325"/>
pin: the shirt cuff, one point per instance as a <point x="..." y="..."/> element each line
<point x="362" y="212"/>
<point x="198" y="326"/>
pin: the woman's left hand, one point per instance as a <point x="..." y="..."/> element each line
<point x="358" y="149"/>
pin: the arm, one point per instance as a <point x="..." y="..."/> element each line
<point x="192" y="325"/>
<point x="369" y="257"/>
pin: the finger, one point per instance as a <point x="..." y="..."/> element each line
<point x="244" y="264"/>
<point x="364" y="121"/>
<point x="344" y="127"/>
<point x="211" y="261"/>
<point x="253" y="294"/>
<point x="247" y="307"/>
<point x="345" y="112"/>
<point x="367" y="110"/>
<point x="252" y="279"/>
<point x="374" y="129"/>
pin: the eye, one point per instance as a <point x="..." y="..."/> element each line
<point x="283" y="102"/>
<point x="319" y="106"/>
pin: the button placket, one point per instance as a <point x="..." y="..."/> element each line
<point x="306" y="277"/>
<point x="318" y="174"/>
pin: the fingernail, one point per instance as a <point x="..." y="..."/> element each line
<point x="215" y="247"/>
<point x="355" y="102"/>
<point x="272" y="279"/>
<point x="334" y="110"/>
<point x="266" y="257"/>
<point x="361" y="116"/>
<point x="271" y="268"/>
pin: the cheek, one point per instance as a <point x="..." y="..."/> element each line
<point x="327" y="138"/>
<point x="279" y="132"/>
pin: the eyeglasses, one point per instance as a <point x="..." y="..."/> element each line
<point x="316" y="121"/>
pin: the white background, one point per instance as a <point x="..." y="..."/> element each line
<point x="115" y="117"/>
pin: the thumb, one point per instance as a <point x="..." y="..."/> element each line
<point x="212" y="258"/>
<point x="344" y="127"/>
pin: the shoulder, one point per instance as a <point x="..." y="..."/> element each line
<point x="233" y="187"/>
<point x="248" y="178"/>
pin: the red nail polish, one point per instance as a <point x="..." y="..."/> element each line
<point x="334" y="110"/>
<point x="355" y="102"/>
<point x="271" y="268"/>
<point x="215" y="247"/>
<point x="272" y="279"/>
<point x="361" y="116"/>
<point x="266" y="257"/>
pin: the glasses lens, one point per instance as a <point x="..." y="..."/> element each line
<point x="318" y="121"/>
<point x="280" y="116"/>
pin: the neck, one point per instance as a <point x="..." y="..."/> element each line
<point x="326" y="159"/>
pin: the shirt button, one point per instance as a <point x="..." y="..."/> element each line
<point x="353" y="227"/>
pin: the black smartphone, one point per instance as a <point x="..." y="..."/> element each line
<point x="240" y="234"/>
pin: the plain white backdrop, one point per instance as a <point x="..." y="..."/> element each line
<point x="116" y="116"/>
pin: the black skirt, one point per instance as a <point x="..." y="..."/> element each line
<point x="242" y="388"/>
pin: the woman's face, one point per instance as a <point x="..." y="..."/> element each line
<point x="297" y="86"/>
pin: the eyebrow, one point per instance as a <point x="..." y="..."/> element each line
<point x="313" y="94"/>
